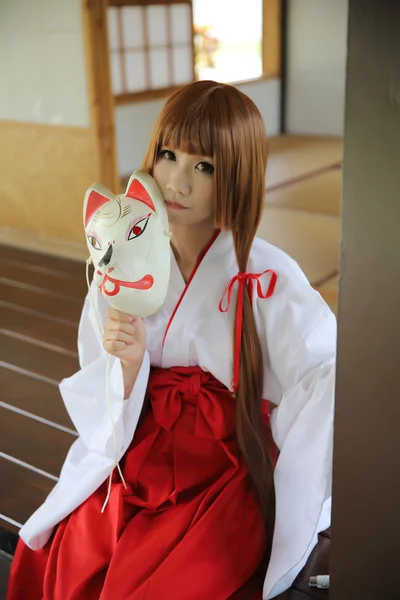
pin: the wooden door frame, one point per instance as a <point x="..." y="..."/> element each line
<point x="101" y="101"/>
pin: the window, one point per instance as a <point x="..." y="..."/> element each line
<point x="151" y="46"/>
<point x="228" y="43"/>
<point x="157" y="45"/>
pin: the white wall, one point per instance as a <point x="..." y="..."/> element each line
<point x="316" y="54"/>
<point x="134" y="122"/>
<point x="42" y="62"/>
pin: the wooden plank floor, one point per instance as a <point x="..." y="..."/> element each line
<point x="41" y="295"/>
<point x="40" y="302"/>
<point x="5" y="564"/>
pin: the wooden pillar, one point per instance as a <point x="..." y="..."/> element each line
<point x="271" y="37"/>
<point x="94" y="13"/>
<point x="366" y="492"/>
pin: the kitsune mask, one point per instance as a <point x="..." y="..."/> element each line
<point x="128" y="239"/>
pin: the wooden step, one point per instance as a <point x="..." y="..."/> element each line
<point x="5" y="565"/>
<point x="33" y="396"/>
<point x="22" y="490"/>
<point x="7" y="526"/>
<point x="35" y="301"/>
<point x="74" y="286"/>
<point x="38" y="328"/>
<point x="35" y="259"/>
<point x="34" y="443"/>
<point x="53" y="364"/>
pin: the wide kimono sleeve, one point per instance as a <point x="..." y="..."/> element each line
<point x="93" y="455"/>
<point x="298" y="335"/>
<point x="84" y="393"/>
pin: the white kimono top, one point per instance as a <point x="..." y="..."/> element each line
<point x="297" y="331"/>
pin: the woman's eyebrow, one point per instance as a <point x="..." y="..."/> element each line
<point x="204" y="157"/>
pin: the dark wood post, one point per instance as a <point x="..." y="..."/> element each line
<point x="365" y="560"/>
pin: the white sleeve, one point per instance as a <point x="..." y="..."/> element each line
<point x="84" y="393"/>
<point x="91" y="457"/>
<point x="301" y="354"/>
<point x="302" y="427"/>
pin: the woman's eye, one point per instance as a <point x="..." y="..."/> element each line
<point x="206" y="167"/>
<point x="138" y="228"/>
<point x="167" y="154"/>
<point x="94" y="242"/>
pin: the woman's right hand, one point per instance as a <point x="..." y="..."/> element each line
<point x="125" y="338"/>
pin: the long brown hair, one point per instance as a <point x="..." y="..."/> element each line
<point x="217" y="120"/>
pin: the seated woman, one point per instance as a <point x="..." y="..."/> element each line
<point x="242" y="348"/>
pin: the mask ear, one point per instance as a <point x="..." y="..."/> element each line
<point x="95" y="197"/>
<point x="140" y="186"/>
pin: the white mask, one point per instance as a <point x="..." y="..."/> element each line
<point x="129" y="243"/>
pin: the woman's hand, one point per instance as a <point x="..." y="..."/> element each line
<point x="125" y="338"/>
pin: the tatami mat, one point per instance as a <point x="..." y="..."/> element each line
<point x="329" y="292"/>
<point x="311" y="239"/>
<point x="331" y="285"/>
<point x="320" y="194"/>
<point x="293" y="157"/>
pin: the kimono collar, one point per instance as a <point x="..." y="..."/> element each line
<point x="242" y="279"/>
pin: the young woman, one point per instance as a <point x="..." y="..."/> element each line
<point x="211" y="499"/>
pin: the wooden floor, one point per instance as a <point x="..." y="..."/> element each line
<point x="41" y="298"/>
<point x="40" y="303"/>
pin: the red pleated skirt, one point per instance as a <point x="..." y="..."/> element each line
<point x="187" y="527"/>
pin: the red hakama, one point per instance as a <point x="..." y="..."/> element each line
<point x="188" y="526"/>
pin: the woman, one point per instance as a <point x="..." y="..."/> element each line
<point x="241" y="331"/>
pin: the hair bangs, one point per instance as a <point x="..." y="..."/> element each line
<point x="190" y="131"/>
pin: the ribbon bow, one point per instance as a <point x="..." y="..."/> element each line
<point x="242" y="279"/>
<point x="210" y="400"/>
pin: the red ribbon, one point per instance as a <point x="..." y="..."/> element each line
<point x="211" y="401"/>
<point x="243" y="278"/>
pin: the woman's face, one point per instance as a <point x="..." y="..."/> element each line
<point x="187" y="183"/>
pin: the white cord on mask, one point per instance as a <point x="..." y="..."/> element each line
<point x="116" y="464"/>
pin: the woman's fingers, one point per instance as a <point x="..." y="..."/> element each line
<point x="140" y="331"/>
<point x="112" y="328"/>
<point x="118" y="336"/>
<point x="117" y="315"/>
<point x="124" y="337"/>
<point x="113" y="346"/>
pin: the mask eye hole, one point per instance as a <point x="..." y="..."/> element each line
<point x="94" y="242"/>
<point x="138" y="228"/>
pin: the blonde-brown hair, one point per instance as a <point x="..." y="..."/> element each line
<point x="217" y="120"/>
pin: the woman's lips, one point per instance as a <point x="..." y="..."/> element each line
<point x="174" y="205"/>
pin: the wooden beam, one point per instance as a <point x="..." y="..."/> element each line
<point x="145" y="2"/>
<point x="145" y="96"/>
<point x="94" y="13"/>
<point x="271" y="38"/>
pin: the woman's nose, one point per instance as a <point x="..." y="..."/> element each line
<point x="179" y="182"/>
